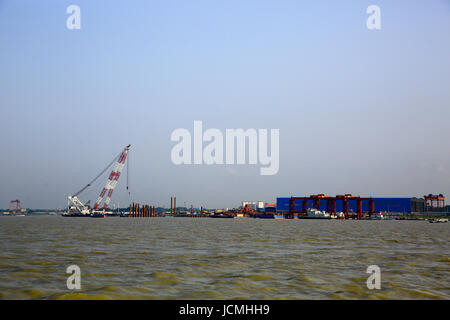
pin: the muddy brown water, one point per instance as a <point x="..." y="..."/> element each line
<point x="184" y="258"/>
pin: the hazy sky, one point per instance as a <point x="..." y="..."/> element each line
<point x="359" y="111"/>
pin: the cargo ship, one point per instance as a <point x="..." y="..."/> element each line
<point x="271" y="216"/>
<point x="271" y="213"/>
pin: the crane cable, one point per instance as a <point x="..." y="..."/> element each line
<point x="128" y="177"/>
<point x="98" y="176"/>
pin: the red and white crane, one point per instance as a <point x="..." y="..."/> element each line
<point x="112" y="180"/>
<point x="76" y="207"/>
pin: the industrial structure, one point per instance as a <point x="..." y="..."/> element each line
<point x="255" y="205"/>
<point x="321" y="206"/>
<point x="173" y="206"/>
<point x="434" y="202"/>
<point x="245" y="212"/>
<point x="15" y="208"/>
<point x="329" y="205"/>
<point x="14" y="205"/>
<point x="356" y="206"/>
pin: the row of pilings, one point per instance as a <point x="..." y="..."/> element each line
<point x="144" y="211"/>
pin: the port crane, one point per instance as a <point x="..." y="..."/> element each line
<point x="77" y="207"/>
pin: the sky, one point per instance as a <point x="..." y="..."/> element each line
<point x="359" y="111"/>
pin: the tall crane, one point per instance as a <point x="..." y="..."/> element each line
<point x="83" y="209"/>
<point x="112" y="180"/>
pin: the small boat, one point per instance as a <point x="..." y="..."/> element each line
<point x="442" y="220"/>
<point x="316" y="214"/>
<point x="377" y="216"/>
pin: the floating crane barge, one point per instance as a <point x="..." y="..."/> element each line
<point x="77" y="208"/>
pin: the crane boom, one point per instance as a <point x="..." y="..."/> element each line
<point x="112" y="180"/>
<point x="98" y="176"/>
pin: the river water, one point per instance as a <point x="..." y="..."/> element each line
<point x="185" y="258"/>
